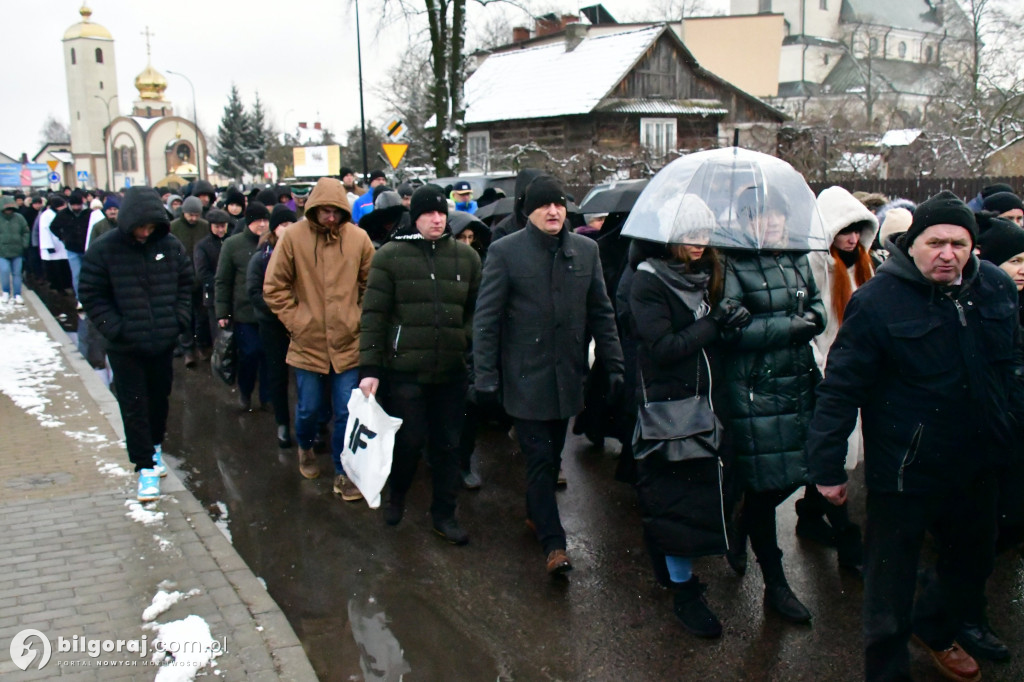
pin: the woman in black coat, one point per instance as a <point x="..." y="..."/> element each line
<point x="273" y="334"/>
<point x="676" y="315"/>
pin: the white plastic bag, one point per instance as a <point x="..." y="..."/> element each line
<point x="369" y="442"/>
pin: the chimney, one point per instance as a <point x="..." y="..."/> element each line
<point x="574" y="35"/>
<point x="520" y="33"/>
<point x="546" y="25"/>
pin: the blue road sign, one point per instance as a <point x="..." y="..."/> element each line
<point x="53" y="177"/>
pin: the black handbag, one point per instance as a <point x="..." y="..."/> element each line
<point x="677" y="430"/>
<point x="224" y="359"/>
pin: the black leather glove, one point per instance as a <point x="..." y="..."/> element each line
<point x="801" y="329"/>
<point x="721" y="312"/>
<point x="813" y="318"/>
<point x="737" y="319"/>
<point x="616" y="388"/>
<point x="488" y="399"/>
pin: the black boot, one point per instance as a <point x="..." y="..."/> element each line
<point x="736" y="555"/>
<point x="777" y="594"/>
<point x="979" y="641"/>
<point x="692" y="610"/>
<point x="811" y="524"/>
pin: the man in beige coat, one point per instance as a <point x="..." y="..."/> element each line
<point x="315" y="284"/>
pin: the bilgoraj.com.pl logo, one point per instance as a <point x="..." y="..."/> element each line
<point x="29" y="644"/>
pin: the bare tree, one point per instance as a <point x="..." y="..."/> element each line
<point x="54" y="130"/>
<point x="674" y="10"/>
<point x="406" y="89"/>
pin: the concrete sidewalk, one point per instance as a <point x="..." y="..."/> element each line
<point x="82" y="559"/>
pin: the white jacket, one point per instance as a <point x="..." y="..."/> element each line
<point x="48" y="240"/>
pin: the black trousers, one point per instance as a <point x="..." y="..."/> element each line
<point x="467" y="441"/>
<point x="198" y="325"/>
<point x="143" y="384"/>
<point x="431" y="415"/>
<point x="963" y="524"/>
<point x="542" y="443"/>
<point x="275" y="340"/>
<point x="757" y="520"/>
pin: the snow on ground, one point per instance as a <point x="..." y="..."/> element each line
<point x="222" y="521"/>
<point x="165" y="545"/>
<point x="112" y="469"/>
<point x="30" y="361"/>
<point x="163" y="600"/>
<point x="139" y="512"/>
<point x="187" y="647"/>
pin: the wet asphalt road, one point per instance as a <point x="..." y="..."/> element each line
<point x="372" y="602"/>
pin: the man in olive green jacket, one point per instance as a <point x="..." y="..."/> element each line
<point x="232" y="304"/>
<point x="189" y="228"/>
<point x="416" y="327"/>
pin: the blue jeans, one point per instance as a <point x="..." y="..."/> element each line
<point x="75" y="263"/>
<point x="11" y="268"/>
<point x="309" y="387"/>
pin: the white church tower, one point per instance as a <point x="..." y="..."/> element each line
<point x="91" y="74"/>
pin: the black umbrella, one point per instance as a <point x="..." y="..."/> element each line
<point x="615" y="200"/>
<point x="497" y="209"/>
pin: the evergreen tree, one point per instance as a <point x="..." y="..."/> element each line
<point x="257" y="137"/>
<point x="232" y="159"/>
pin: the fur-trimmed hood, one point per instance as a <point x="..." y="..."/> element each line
<point x="840" y="209"/>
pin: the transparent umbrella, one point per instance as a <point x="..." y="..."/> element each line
<point x="729" y="198"/>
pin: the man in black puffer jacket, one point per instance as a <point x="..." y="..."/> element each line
<point x="136" y="288"/>
<point x="416" y="326"/>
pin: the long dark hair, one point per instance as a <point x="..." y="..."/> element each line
<point x="710" y="262"/>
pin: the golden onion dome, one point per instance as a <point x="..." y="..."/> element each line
<point x="86" y="29"/>
<point x="150" y="84"/>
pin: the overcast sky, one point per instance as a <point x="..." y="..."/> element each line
<point x="300" y="55"/>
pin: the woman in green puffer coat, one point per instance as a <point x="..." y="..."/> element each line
<point x="14" y="236"/>
<point x="771" y="376"/>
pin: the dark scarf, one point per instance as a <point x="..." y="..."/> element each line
<point x="690" y="287"/>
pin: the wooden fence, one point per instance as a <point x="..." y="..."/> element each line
<point x="919" y="189"/>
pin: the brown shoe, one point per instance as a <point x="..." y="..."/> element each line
<point x="190" y="358"/>
<point x="953" y="663"/>
<point x="308" y="466"/>
<point x="346" y="488"/>
<point x="558" y="562"/>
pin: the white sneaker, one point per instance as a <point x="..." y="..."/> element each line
<point x="18" y="300"/>
<point x="158" y="461"/>
<point x="5" y="298"/>
<point x="149" y="486"/>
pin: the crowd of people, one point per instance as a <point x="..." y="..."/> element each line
<point x="898" y="349"/>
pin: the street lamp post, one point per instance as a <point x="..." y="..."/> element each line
<point x="195" y="122"/>
<point x="362" y="116"/>
<point x="107" y="152"/>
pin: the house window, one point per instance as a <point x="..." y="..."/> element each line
<point x="764" y="6"/>
<point x="873" y="46"/>
<point x="101" y="85"/>
<point x="99" y="56"/>
<point x="824" y="59"/>
<point x="928" y="54"/>
<point x="73" y="60"/>
<point x="902" y="50"/>
<point x="478" y="148"/>
<point x="823" y="4"/>
<point x="658" y="135"/>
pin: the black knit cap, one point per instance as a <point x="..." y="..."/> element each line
<point x="256" y="211"/>
<point x="945" y="208"/>
<point x="543" y="190"/>
<point x="234" y="196"/>
<point x="377" y="174"/>
<point x="282" y="214"/>
<point x="989" y="190"/>
<point x="77" y="197"/>
<point x="427" y="198"/>
<point x="1001" y="202"/>
<point x="999" y="240"/>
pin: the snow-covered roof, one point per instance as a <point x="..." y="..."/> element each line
<point x="899" y="138"/>
<point x="546" y="81"/>
<point x="665" y="107"/>
<point x="856" y="162"/>
<point x="63" y="157"/>
<point x="145" y="123"/>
